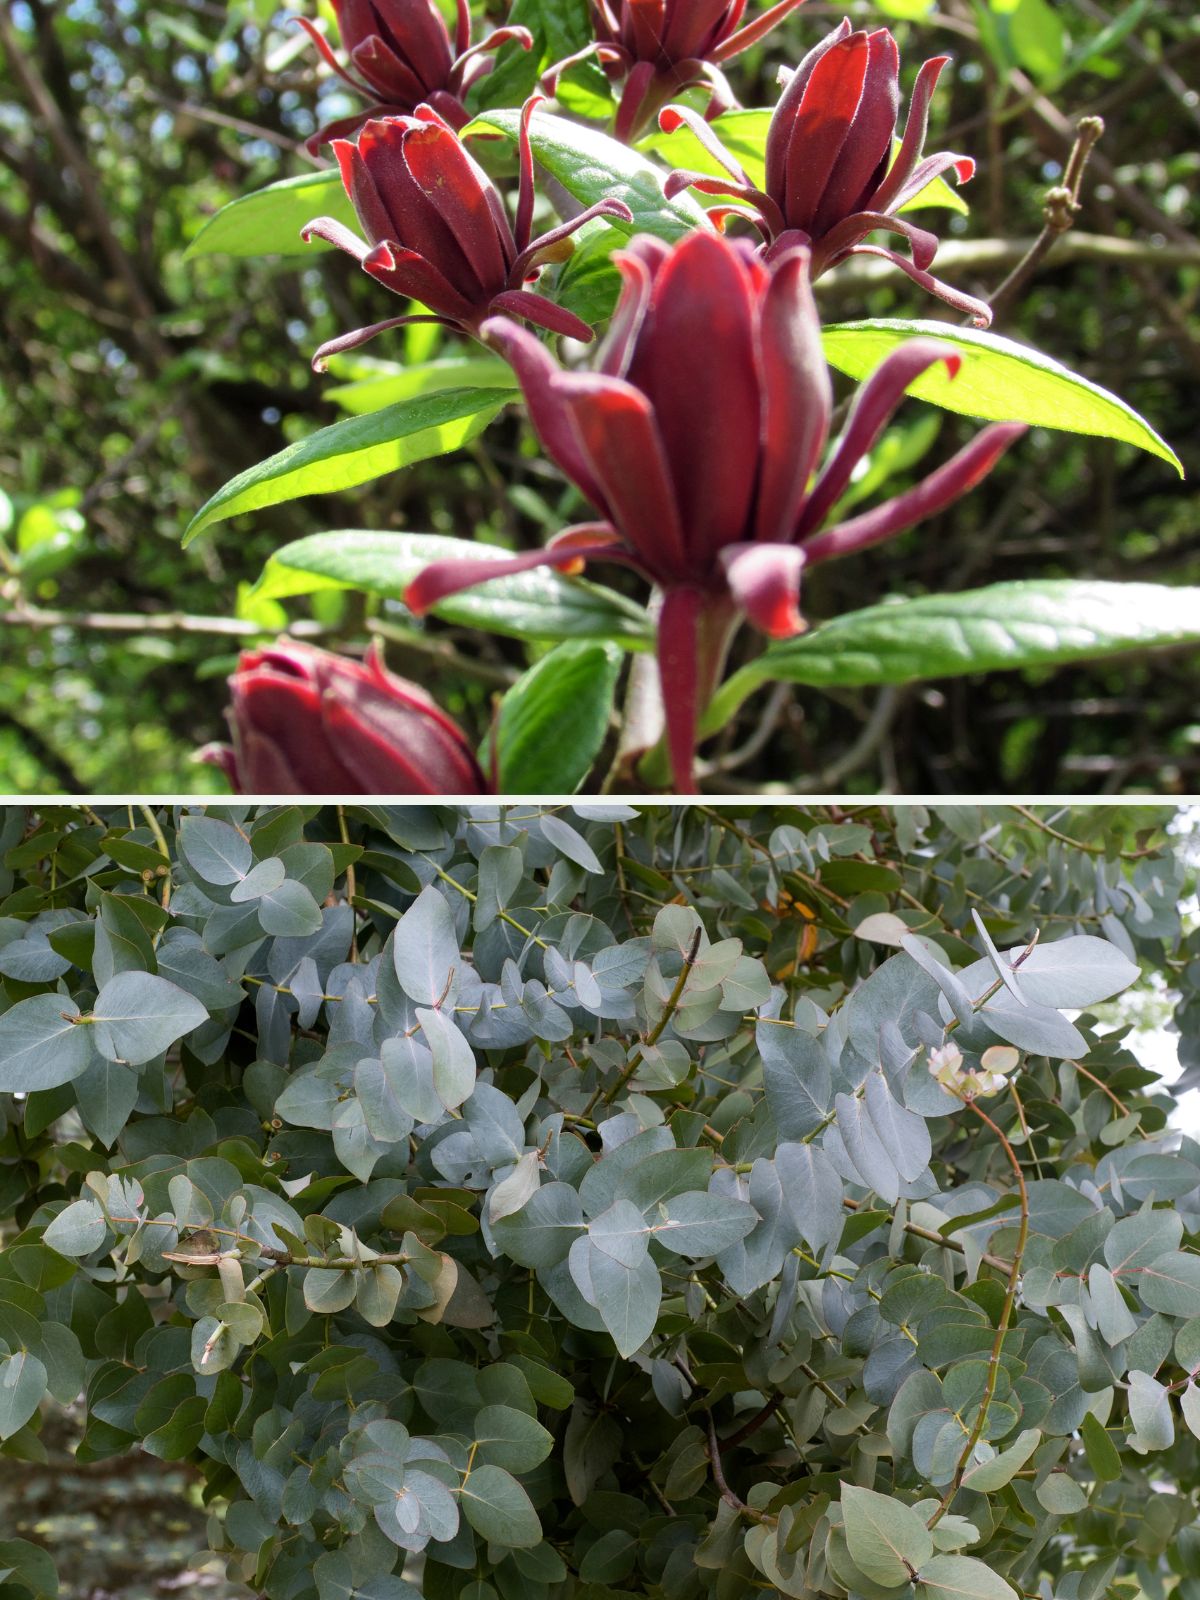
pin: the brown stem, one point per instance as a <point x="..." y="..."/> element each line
<point x="1060" y="209"/>
<point x="1010" y="1299"/>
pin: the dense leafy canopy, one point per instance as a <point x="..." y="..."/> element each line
<point x="591" y="1202"/>
<point x="160" y="314"/>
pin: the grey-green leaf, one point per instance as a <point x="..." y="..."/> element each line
<point x="42" y="1044"/>
<point x="497" y="1507"/>
<point x="945" y="1577"/>
<point x="22" y="1385"/>
<point x="78" y="1229"/>
<point x="887" y="1540"/>
<point x="138" y="1015"/>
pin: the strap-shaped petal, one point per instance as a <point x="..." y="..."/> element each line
<point x="407" y="273"/>
<point x="979" y="311"/>
<point x="852" y="230"/>
<point x="672" y="117"/>
<point x="941" y="488"/>
<point x="360" y="336"/>
<point x="797" y="397"/>
<point x="913" y="140"/>
<point x="764" y="580"/>
<point x="753" y="31"/>
<point x="542" y="313"/>
<point x="870" y="413"/>
<point x="697" y="361"/>
<point x="457" y="187"/>
<point x="868" y="148"/>
<point x="441" y="579"/>
<point x="536" y="369"/>
<point x="616" y="427"/>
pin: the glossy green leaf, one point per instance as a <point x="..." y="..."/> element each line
<point x="592" y="166"/>
<point x="1036" y="623"/>
<point x="999" y="379"/>
<point x="554" y="719"/>
<point x="375" y="384"/>
<point x="355" y="450"/>
<point x="268" y="221"/>
<point x="540" y="604"/>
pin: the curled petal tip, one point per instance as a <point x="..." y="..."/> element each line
<point x="676" y="183"/>
<point x="669" y="119"/>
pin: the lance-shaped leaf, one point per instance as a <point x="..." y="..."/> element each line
<point x="999" y="379"/>
<point x="268" y="221"/>
<point x="355" y="450"/>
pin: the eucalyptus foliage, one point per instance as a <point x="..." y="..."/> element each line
<point x="520" y="1202"/>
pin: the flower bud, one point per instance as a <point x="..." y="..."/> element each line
<point x="308" y="722"/>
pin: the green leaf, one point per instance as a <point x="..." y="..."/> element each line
<point x="886" y="1539"/>
<point x="1005" y="626"/>
<point x="42" y="1044"/>
<point x="268" y="221"/>
<point x="137" y="1016"/>
<point x="29" y="1566"/>
<point x="554" y="719"/>
<point x="508" y="1438"/>
<point x="540" y="604"/>
<point x="1061" y="1495"/>
<point x="999" y="380"/>
<point x="1150" y="1413"/>
<point x="22" y="1385"/>
<point x="375" y="384"/>
<point x="1102" y="1454"/>
<point x="994" y="1474"/>
<point x="592" y="166"/>
<point x="543" y="1231"/>
<point x="497" y="1507"/>
<point x="355" y="450"/>
<point x="963" y="1578"/>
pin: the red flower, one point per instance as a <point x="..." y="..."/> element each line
<point x="831" y="180"/>
<point x="403" y="56"/>
<point x="659" y="47"/>
<point x="308" y="722"/>
<point x="437" y="230"/>
<point x="696" y="440"/>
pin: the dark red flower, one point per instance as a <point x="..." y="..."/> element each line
<point x="437" y="230"/>
<point x="831" y="180"/>
<point x="697" y="438"/>
<point x="659" y="47"/>
<point x="308" y="722"/>
<point x="403" y="57"/>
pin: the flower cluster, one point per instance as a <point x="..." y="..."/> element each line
<point x="699" y="432"/>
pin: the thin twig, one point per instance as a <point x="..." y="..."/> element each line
<point x="1060" y="209"/>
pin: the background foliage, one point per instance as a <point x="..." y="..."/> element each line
<point x="558" y="1202"/>
<point x="135" y="383"/>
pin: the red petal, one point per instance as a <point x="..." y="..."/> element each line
<point x="764" y="579"/>
<point x="617" y="428"/>
<point x="696" y="360"/>
<point x="872" y="409"/>
<point x="941" y="488"/>
<point x="797" y="396"/>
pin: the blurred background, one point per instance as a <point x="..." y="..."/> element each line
<point x="134" y="383"/>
